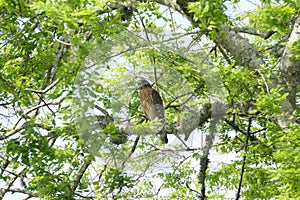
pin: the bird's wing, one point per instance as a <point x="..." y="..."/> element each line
<point x="156" y="98"/>
<point x="157" y="110"/>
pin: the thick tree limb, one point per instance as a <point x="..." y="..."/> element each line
<point x="240" y="48"/>
<point x="289" y="69"/>
<point x="204" y="161"/>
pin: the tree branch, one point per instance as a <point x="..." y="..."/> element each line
<point x="17" y="129"/>
<point x="49" y="87"/>
<point x="244" y="159"/>
<point x="289" y="72"/>
<point x="132" y="150"/>
<point x="10" y="182"/>
<point x="18" y="190"/>
<point x="170" y="128"/>
<point x="235" y="127"/>
<point x="240" y="48"/>
<point x="204" y="160"/>
<point x="250" y="31"/>
<point x="202" y="175"/>
<point x="80" y="174"/>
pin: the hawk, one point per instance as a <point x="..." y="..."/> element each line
<point x="152" y="105"/>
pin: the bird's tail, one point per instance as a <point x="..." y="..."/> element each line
<point x="157" y="111"/>
<point x="161" y="116"/>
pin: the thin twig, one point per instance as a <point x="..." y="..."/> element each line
<point x="145" y="30"/>
<point x="103" y="111"/>
<point x="223" y="52"/>
<point x="49" y="87"/>
<point x="235" y="127"/>
<point x="265" y="82"/>
<point x="80" y="174"/>
<point x="15" y="129"/>
<point x="244" y="160"/>
<point x="173" y="26"/>
<point x="132" y="150"/>
<point x="10" y="183"/>
<point x="62" y="42"/>
<point x="193" y="190"/>
<point x="41" y="98"/>
<point x="102" y="172"/>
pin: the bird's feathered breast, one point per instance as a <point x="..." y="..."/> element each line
<point x="152" y="103"/>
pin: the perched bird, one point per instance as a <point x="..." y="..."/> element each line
<point x="152" y="105"/>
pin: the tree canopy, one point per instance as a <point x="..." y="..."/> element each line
<point x="71" y="124"/>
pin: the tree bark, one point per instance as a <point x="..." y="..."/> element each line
<point x="289" y="68"/>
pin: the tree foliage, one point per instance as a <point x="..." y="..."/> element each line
<point x="71" y="121"/>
